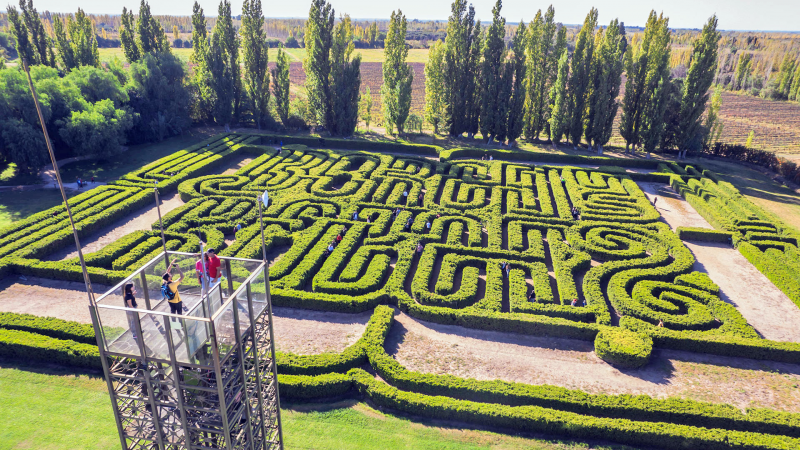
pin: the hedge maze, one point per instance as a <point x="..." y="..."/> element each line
<point x="465" y="242"/>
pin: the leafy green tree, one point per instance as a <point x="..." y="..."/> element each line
<point x="19" y="32"/>
<point x="657" y="86"/>
<point x="318" y="40"/>
<point x="97" y="84"/>
<point x="460" y="47"/>
<point x="127" y="36"/>
<point x="699" y="79"/>
<point x="473" y="77"/>
<point x="516" y="106"/>
<point x="345" y="81"/>
<point x="280" y="85"/>
<point x="256" y="57"/>
<point x="224" y="67"/>
<point x="435" y="109"/>
<point x="794" y="91"/>
<point x="203" y="97"/>
<point x="83" y="40"/>
<point x="397" y="75"/>
<point x="606" y="80"/>
<point x="713" y="122"/>
<point x="63" y="45"/>
<point x="558" y="94"/>
<point x="494" y="54"/>
<point x="743" y="69"/>
<point x="158" y="96"/>
<point x="580" y="80"/>
<point x="366" y="107"/>
<point x="786" y="74"/>
<point x="37" y="36"/>
<point x="99" y="130"/>
<point x="541" y="60"/>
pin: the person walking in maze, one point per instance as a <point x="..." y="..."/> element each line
<point x="655" y="199"/>
<point x="428" y="225"/>
<point x="409" y="222"/>
<point x="532" y="297"/>
<point x="508" y="269"/>
<point x="419" y="248"/>
<point x="355" y="215"/>
<point x="344" y="231"/>
<point x="169" y="289"/>
<point x="338" y="238"/>
<point x="574" y="302"/>
<point x="419" y="199"/>
<point x="405" y="195"/>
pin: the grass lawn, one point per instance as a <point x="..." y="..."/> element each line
<point x="10" y="176"/>
<point x="18" y="205"/>
<point x="56" y="408"/>
<point x="136" y="156"/>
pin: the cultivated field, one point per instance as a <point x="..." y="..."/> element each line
<point x="517" y="295"/>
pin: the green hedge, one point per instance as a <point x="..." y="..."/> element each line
<point x="49" y="326"/>
<point x="351" y="144"/>
<point x="302" y="387"/>
<point x="545" y="420"/>
<point x="37" y="347"/>
<point x="623" y="348"/>
<point x="704" y="234"/>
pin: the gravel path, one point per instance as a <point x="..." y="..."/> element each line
<point x="311" y="332"/>
<point x="63" y="299"/>
<point x="764" y="306"/>
<point x="489" y="355"/>
<point x="675" y="211"/>
<point x="141" y="219"/>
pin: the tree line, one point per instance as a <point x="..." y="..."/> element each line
<point x="539" y="89"/>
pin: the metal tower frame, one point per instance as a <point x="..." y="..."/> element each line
<point x="206" y="379"/>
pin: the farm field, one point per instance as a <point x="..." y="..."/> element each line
<point x="523" y="293"/>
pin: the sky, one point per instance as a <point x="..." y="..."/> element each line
<point x="773" y="15"/>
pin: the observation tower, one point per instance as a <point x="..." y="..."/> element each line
<point x="203" y="379"/>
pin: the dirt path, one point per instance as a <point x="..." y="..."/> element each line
<point x="674" y="210"/>
<point x="236" y="166"/>
<point x="764" y="306"/>
<point x="141" y="219"/>
<point x="42" y="297"/>
<point x="488" y="355"/>
<point x="311" y="332"/>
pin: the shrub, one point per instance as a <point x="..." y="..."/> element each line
<point x="623" y="348"/>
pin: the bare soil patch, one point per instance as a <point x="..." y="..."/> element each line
<point x="488" y="355"/>
<point x="236" y="165"/>
<point x="307" y="332"/>
<point x="63" y="299"/>
<point x="141" y="219"/>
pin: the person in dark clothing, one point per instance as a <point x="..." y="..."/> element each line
<point x="129" y="297"/>
<point x="532" y="297"/>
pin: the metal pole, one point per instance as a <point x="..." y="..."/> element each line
<point x="261" y="221"/>
<point x="86" y="280"/>
<point x="203" y="287"/>
<point x="272" y="349"/>
<point x="161" y="223"/>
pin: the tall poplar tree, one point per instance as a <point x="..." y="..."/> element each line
<point x="542" y="61"/>
<point x="459" y="62"/>
<point x="36" y="34"/>
<point x="83" y="40"/>
<point x="280" y="85"/>
<point x="127" y="36"/>
<point x="229" y="40"/>
<point x="558" y="98"/>
<point x="516" y="106"/>
<point x="203" y="95"/>
<point x="606" y="79"/>
<point x="580" y="79"/>
<point x="473" y="87"/>
<point x="657" y="87"/>
<point x="318" y="39"/>
<point x="435" y="86"/>
<point x="255" y="53"/>
<point x="494" y="55"/>
<point x="65" y="54"/>
<point x="699" y="78"/>
<point x="19" y="31"/>
<point x="345" y="80"/>
<point x="397" y="75"/>
<point x="636" y="94"/>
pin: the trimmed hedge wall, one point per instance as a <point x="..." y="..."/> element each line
<point x="704" y="234"/>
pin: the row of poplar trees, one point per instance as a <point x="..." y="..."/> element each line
<point x="474" y="83"/>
